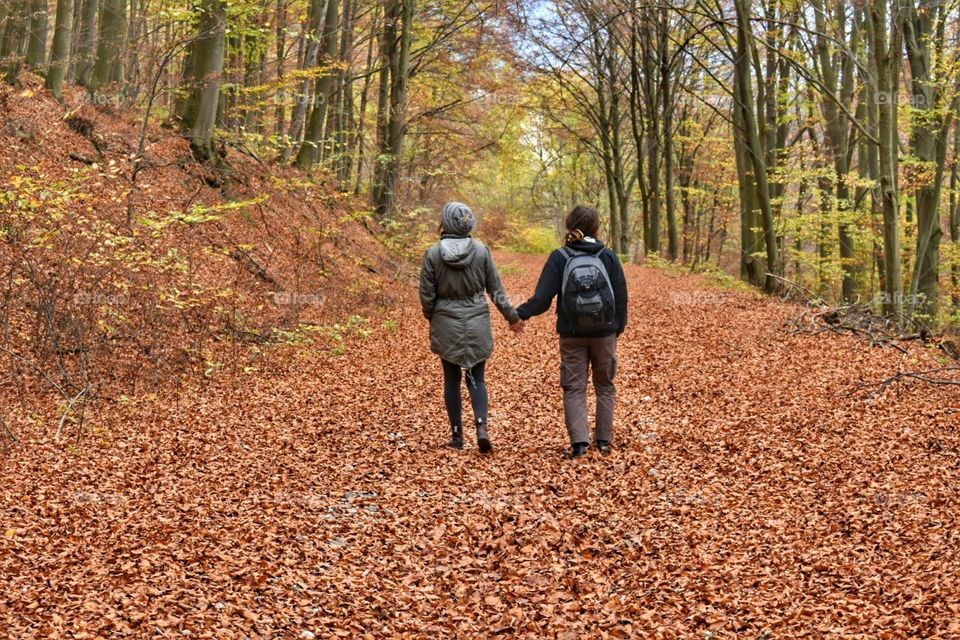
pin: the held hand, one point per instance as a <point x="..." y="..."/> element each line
<point x="517" y="327"/>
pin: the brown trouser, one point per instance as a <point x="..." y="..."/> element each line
<point x="577" y="355"/>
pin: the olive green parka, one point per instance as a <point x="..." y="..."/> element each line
<point x="456" y="273"/>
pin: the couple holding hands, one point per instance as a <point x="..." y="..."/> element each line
<point x="585" y="276"/>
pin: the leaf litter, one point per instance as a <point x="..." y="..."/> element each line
<point x="755" y="491"/>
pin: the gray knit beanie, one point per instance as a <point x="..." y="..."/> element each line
<point x="457" y="219"/>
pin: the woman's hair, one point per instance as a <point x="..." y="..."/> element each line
<point x="582" y="221"/>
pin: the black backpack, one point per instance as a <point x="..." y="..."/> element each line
<point x="586" y="293"/>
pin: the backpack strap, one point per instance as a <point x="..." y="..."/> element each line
<point x="568" y="254"/>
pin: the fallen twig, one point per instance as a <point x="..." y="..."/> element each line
<point x="923" y="376"/>
<point x="811" y="296"/>
<point x="6" y="434"/>
<point x="66" y="413"/>
<point x="857" y="320"/>
<point x="36" y="367"/>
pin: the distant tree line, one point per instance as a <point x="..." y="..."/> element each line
<point x="838" y="121"/>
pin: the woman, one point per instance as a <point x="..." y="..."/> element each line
<point x="456" y="272"/>
<point x="591" y="315"/>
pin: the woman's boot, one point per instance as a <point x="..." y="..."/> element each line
<point x="483" y="439"/>
<point x="456" y="437"/>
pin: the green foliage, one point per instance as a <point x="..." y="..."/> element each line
<point x="511" y="270"/>
<point x="410" y="233"/>
<point x="35" y="212"/>
<point x="355" y="326"/>
<point x="537" y="241"/>
<point x="98" y="282"/>
<point x="713" y="276"/>
<point x="362" y="216"/>
<point x="720" y="279"/>
<point x="197" y="214"/>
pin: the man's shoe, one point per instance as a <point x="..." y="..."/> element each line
<point x="579" y="449"/>
<point x="456" y="438"/>
<point x="603" y="447"/>
<point x="483" y="439"/>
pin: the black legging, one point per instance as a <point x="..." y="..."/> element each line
<point x="476" y="386"/>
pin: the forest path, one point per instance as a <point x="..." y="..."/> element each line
<point x="755" y="491"/>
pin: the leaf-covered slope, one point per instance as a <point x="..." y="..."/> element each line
<point x="117" y="276"/>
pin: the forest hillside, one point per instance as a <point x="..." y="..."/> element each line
<point x="117" y="278"/>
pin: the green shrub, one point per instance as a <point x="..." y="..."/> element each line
<point x="538" y="241"/>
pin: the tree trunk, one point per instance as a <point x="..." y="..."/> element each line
<point x="209" y="58"/>
<point x="387" y="40"/>
<point x="754" y="149"/>
<point x="280" y="35"/>
<point x="667" y="111"/>
<point x="187" y="99"/>
<point x="884" y="60"/>
<point x="396" y="56"/>
<point x="836" y="75"/>
<point x="137" y="40"/>
<point x="364" y="97"/>
<point x="610" y="109"/>
<point x="315" y="27"/>
<point x="955" y="214"/>
<point x="82" y="65"/>
<point x="690" y="233"/>
<point x="11" y="54"/>
<point x="254" y="62"/>
<point x="750" y="268"/>
<point x="603" y="116"/>
<point x="60" y="55"/>
<point x="825" y="235"/>
<point x="930" y="129"/>
<point x="637" y="125"/>
<point x="798" y="241"/>
<point x="108" y="67"/>
<point x="652" y="141"/>
<point x="37" y="45"/>
<point x="310" y="150"/>
<point x="341" y="157"/>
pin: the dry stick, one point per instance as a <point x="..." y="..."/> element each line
<point x="63" y="418"/>
<point x="923" y="376"/>
<point x="875" y="335"/>
<point x="8" y="431"/>
<point x="141" y="143"/>
<point x="38" y="369"/>
<point x="812" y="295"/>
